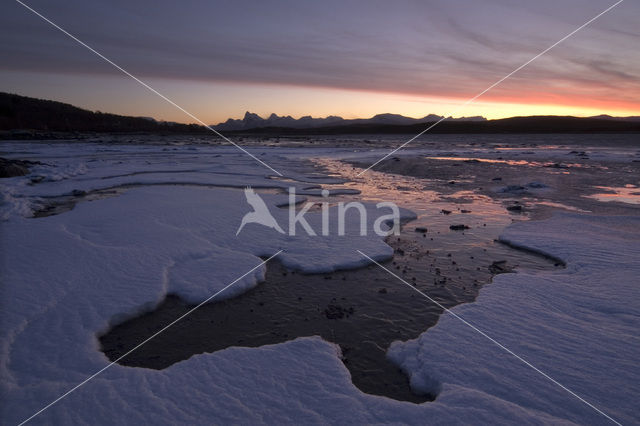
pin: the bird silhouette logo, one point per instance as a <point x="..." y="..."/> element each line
<point x="260" y="213"/>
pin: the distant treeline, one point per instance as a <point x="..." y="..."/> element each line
<point x="24" y="117"/>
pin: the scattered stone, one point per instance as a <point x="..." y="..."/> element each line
<point x="516" y="208"/>
<point x="382" y="291"/>
<point x="443" y="211"/>
<point x="458" y="227"/>
<point x="557" y="166"/>
<point x="499" y="267"/>
<point x="11" y="168"/>
<point x="513" y="188"/>
<point x="497" y="179"/>
<point x="465" y="211"/>
<point x="421" y="229"/>
<point x="336" y="311"/>
<point x="536" y="185"/>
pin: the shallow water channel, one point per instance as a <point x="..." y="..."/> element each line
<point x="361" y="310"/>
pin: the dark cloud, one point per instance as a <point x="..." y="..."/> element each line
<point x="433" y="48"/>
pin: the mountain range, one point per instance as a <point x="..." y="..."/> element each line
<point x="254" y="121"/>
<point x="23" y="117"/>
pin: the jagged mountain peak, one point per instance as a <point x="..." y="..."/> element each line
<point x="254" y="121"/>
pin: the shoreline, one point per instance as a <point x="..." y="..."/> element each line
<point x="451" y="276"/>
<point x="132" y="261"/>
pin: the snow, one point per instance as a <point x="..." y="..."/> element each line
<point x="68" y="168"/>
<point x="67" y="278"/>
<point x="578" y="325"/>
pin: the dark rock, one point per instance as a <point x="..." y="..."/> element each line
<point x="536" y="185"/>
<point x="421" y="229"/>
<point x="516" y="208"/>
<point x="11" y="168"/>
<point x="499" y="267"/>
<point x="443" y="211"/>
<point x="336" y="311"/>
<point x="513" y="188"/>
<point x="557" y="166"/>
<point x="458" y="227"/>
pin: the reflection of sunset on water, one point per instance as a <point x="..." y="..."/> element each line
<point x="629" y="194"/>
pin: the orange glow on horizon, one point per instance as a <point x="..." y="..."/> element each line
<point x="215" y="102"/>
<point x="298" y="101"/>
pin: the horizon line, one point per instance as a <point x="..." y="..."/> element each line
<point x="298" y="117"/>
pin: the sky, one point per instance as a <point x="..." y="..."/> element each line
<point x="218" y="59"/>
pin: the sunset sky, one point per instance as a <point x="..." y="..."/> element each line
<point x="218" y="59"/>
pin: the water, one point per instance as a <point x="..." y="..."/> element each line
<point x="629" y="194"/>
<point x="362" y="310"/>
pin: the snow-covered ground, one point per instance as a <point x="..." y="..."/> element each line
<point x="578" y="325"/>
<point x="66" y="278"/>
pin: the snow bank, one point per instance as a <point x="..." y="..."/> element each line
<point x="579" y="325"/>
<point x="65" y="278"/>
<point x="78" y="167"/>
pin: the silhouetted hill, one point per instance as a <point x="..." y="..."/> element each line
<point x="24" y="117"/>
<point x="21" y="112"/>
<point x="534" y="124"/>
